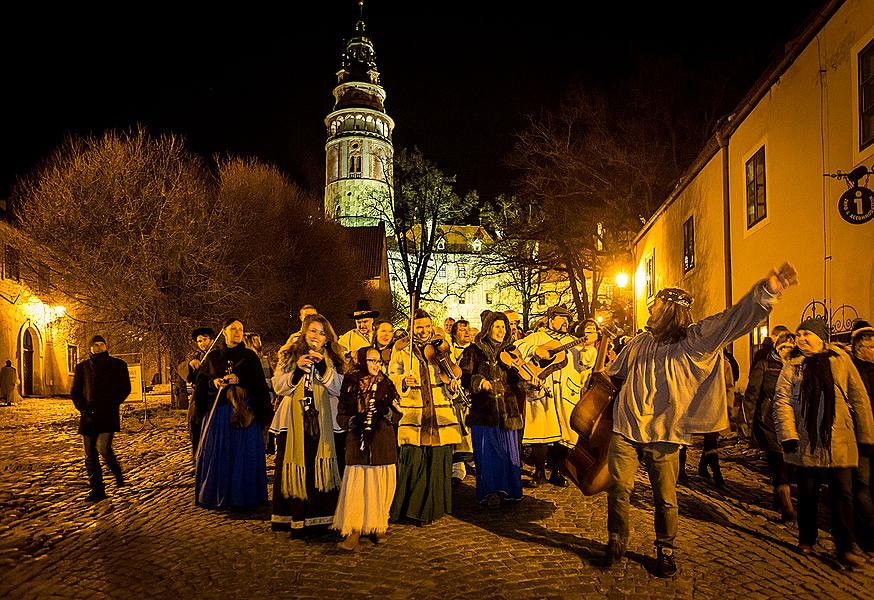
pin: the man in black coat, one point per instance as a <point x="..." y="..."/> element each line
<point x="100" y="384"/>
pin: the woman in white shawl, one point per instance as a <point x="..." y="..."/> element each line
<point x="308" y="375"/>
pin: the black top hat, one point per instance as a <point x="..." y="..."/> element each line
<point x="363" y="311"/>
<point x="207" y="331"/>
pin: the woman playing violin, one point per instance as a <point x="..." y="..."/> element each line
<point x="495" y="420"/>
<point x="428" y="430"/>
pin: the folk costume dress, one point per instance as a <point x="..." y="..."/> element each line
<point x="547" y="418"/>
<point x="494" y="418"/>
<point x="306" y="479"/>
<point x="370" y="477"/>
<point x="427" y="434"/>
<point x="231" y="471"/>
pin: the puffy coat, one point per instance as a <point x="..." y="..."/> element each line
<point x="853" y="418"/>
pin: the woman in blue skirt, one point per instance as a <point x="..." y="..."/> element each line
<point x="231" y="471"/>
<point x="494" y="418"/>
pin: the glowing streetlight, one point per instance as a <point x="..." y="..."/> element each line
<point x="621" y="280"/>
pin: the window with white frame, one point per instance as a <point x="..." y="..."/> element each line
<point x="755" y="179"/>
<point x="866" y="96"/>
<point x="688" y="244"/>
<point x="649" y="267"/>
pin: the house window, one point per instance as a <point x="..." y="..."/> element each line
<point x="650" y="275"/>
<point x="489" y="297"/>
<point x="755" y="175"/>
<point x="72" y="358"/>
<point x="442" y="271"/>
<point x="354" y="166"/>
<point x="462" y="298"/>
<point x="866" y="96"/>
<point x="688" y="244"/>
<point x="10" y="264"/>
<point x="477" y="245"/>
<point x="757" y="336"/>
<point x="462" y="271"/>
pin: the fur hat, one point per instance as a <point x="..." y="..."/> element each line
<point x="207" y="331"/>
<point x="859" y="326"/>
<point x="815" y="325"/>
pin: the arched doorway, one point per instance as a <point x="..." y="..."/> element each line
<point x="27" y="363"/>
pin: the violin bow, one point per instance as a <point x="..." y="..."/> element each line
<point x="411" y="332"/>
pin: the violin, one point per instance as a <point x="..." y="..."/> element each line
<point x="437" y="351"/>
<point x="528" y="371"/>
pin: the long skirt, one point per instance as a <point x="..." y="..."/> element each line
<point x="498" y="464"/>
<point x="297" y="513"/>
<point x="365" y="499"/>
<point x="424" y="489"/>
<point x="231" y="471"/>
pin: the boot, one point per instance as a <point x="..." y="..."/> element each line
<point x="557" y="479"/>
<point x="350" y="542"/>
<point x="615" y="550"/>
<point x="666" y="567"/>
<point x="702" y="468"/>
<point x="379" y="537"/>
<point x="784" y="502"/>
<point x="539" y="478"/>
<point x="851" y="560"/>
<point x="718" y="480"/>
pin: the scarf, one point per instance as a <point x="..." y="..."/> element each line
<point x="327" y="473"/>
<point x="818" y="396"/>
<point x="429" y="434"/>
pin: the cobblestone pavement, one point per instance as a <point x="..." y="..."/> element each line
<point x="149" y="540"/>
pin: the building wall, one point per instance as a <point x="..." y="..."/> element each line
<point x="701" y="200"/>
<point x="807" y="123"/>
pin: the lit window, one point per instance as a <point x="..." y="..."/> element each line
<point x="477" y="245"/>
<point x="489" y="297"/>
<point x="462" y="298"/>
<point x="755" y="177"/>
<point x="688" y="244"/>
<point x="442" y="272"/>
<point x="650" y="275"/>
<point x="72" y="358"/>
<point x="462" y="271"/>
<point x="866" y="96"/>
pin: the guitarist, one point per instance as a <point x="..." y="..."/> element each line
<point x="547" y="417"/>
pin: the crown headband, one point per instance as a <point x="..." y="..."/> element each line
<point x="676" y="296"/>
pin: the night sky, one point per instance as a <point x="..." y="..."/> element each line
<point x="460" y="76"/>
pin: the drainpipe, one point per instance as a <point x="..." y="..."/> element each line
<point x="726" y="216"/>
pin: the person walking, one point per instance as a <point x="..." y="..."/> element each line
<point x="823" y="418"/>
<point x="862" y="344"/>
<point x="673" y="386"/>
<point x="100" y="384"/>
<point x="8" y="381"/>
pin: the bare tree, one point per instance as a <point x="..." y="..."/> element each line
<point x="147" y="242"/>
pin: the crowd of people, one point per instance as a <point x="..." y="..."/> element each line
<point x="375" y="426"/>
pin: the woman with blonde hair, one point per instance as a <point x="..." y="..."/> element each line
<point x="307" y="472"/>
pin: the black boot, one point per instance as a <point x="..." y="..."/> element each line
<point x="615" y="550"/>
<point x="557" y="479"/>
<point x="666" y="566"/>
<point x="718" y="480"/>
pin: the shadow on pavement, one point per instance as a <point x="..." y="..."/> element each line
<point x="518" y="522"/>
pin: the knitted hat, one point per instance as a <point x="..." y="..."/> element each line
<point x="815" y="325"/>
<point x="859" y="326"/>
<point x="96" y="339"/>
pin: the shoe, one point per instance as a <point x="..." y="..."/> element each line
<point x="379" y="538"/>
<point x="851" y="560"/>
<point x="718" y="479"/>
<point x="666" y="566"/>
<point x="493" y="501"/>
<point x="615" y="551"/>
<point x="350" y="542"/>
<point x="539" y="478"/>
<point x="805" y="549"/>
<point x="557" y="479"/>
<point x="703" y="473"/>
<point x="95" y="496"/>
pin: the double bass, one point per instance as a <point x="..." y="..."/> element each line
<point x="592" y="418"/>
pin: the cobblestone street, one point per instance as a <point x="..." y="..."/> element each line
<point x="150" y="540"/>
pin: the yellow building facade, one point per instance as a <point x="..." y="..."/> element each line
<point x="757" y="195"/>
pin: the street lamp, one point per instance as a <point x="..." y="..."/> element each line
<point x="621" y="280"/>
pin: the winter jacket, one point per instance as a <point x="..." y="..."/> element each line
<point x="100" y="384"/>
<point x="853" y="421"/>
<point x="380" y="443"/>
<point x="866" y="372"/>
<point x="760" y="393"/>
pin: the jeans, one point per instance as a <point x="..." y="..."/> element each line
<point x="840" y="491"/>
<point x="662" y="461"/>
<point x="102" y="444"/>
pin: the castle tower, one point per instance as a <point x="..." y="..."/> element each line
<point x="359" y="150"/>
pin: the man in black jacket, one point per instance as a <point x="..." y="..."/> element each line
<point x="100" y="384"/>
<point x="862" y="341"/>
